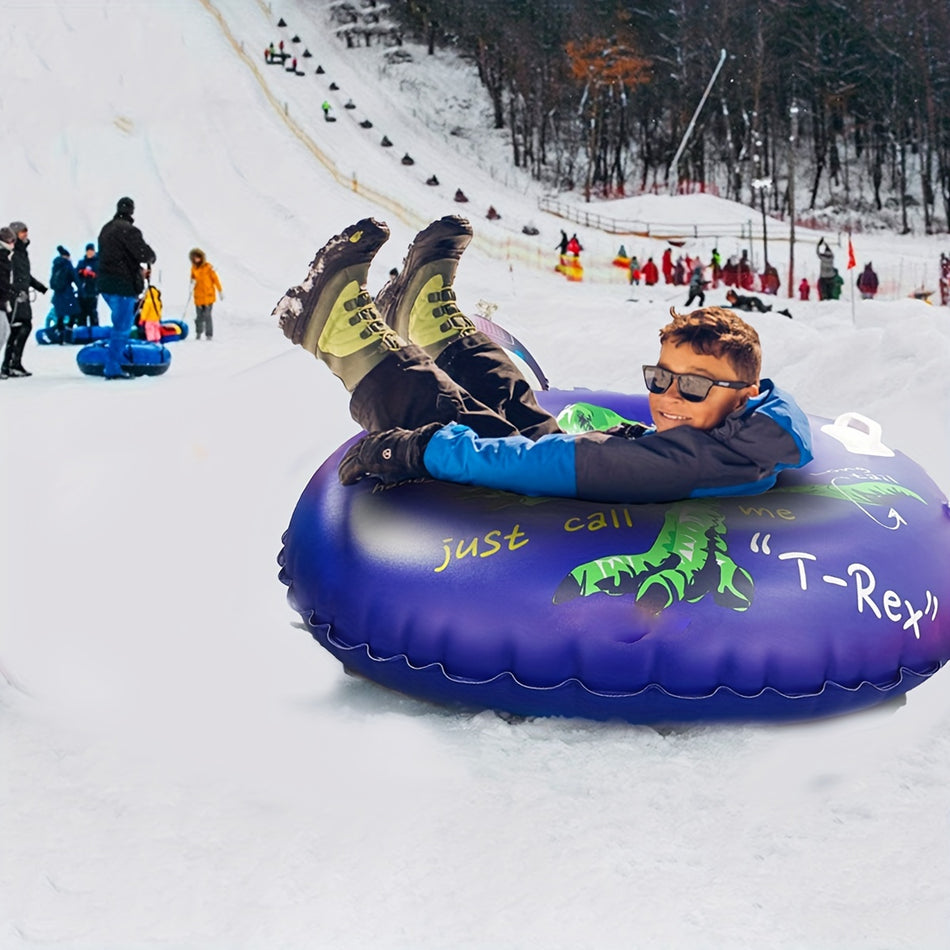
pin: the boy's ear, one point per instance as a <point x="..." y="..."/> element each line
<point x="746" y="394"/>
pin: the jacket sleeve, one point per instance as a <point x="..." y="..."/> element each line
<point x="513" y="463"/>
<point x="137" y="248"/>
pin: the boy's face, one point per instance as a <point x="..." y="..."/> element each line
<point x="670" y="409"/>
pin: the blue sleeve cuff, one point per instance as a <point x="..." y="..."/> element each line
<point x="513" y="463"/>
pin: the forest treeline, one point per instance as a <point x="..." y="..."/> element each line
<point x="850" y="100"/>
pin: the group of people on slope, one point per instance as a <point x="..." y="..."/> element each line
<point x="75" y="288"/>
<point x="738" y="273"/>
<point x="118" y="271"/>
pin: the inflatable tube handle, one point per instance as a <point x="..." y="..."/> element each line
<point x="858" y="434"/>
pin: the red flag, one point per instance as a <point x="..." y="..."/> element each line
<point x="851" y="261"/>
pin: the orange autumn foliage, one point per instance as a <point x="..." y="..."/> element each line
<point x="604" y="62"/>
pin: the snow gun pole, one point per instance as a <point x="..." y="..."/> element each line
<point x="673" y="173"/>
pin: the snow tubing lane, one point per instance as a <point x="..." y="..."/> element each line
<point x="826" y="594"/>
<point x="139" y="359"/>
<point x="172" y="331"/>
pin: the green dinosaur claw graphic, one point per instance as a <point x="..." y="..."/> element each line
<point x="687" y="561"/>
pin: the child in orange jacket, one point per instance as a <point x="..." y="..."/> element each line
<point x="204" y="283"/>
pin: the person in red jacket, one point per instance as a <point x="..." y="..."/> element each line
<point x="666" y="262"/>
<point x="651" y="274"/>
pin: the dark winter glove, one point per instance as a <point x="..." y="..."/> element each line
<point x="392" y="457"/>
<point x="627" y="430"/>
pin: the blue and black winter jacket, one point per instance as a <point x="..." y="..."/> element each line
<point x="740" y="456"/>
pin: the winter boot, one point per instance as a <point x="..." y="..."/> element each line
<point x="419" y="303"/>
<point x="332" y="315"/>
<point x="19" y="334"/>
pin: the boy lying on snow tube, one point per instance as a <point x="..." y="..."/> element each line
<point x="440" y="399"/>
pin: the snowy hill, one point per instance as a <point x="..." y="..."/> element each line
<point x="182" y="766"/>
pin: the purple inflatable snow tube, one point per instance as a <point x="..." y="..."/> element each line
<point x="826" y="594"/>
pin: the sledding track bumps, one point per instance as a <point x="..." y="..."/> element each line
<point x="505" y="246"/>
<point x="403" y="213"/>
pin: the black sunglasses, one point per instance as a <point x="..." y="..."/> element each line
<point x="691" y="387"/>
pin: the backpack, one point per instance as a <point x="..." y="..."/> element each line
<point x="59" y="279"/>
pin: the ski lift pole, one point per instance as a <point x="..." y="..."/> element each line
<point x="674" y="165"/>
<point x="191" y="296"/>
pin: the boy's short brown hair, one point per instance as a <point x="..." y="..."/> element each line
<point x="720" y="332"/>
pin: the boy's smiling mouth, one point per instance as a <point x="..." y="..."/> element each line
<point x="672" y="416"/>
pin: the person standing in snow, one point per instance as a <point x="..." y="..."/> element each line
<point x="651" y="273"/>
<point x="867" y="282"/>
<point x="122" y="252"/>
<point x="21" y="320"/>
<point x="62" y="279"/>
<point x="7" y="240"/>
<point x="634" y="268"/>
<point x="88" y="288"/>
<point x="666" y="264"/>
<point x="204" y="282"/>
<point x="826" y="273"/>
<point x="716" y="264"/>
<point x="679" y="271"/>
<point x="697" y="286"/>
<point x="770" y="280"/>
<point x="744" y="272"/>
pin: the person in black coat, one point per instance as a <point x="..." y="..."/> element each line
<point x="21" y="319"/>
<point x="62" y="280"/>
<point x="7" y="240"/>
<point x="122" y="252"/>
<point x="747" y="303"/>
<point x="87" y="272"/>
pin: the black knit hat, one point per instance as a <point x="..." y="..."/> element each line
<point x="62" y="250"/>
<point x="125" y="206"/>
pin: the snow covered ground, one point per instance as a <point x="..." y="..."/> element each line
<point x="181" y="765"/>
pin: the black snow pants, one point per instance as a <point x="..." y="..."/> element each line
<point x="472" y="382"/>
<point x="21" y="322"/>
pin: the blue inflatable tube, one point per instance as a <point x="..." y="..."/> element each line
<point x="53" y="335"/>
<point x="171" y="330"/>
<point x="827" y="594"/>
<point x="139" y="359"/>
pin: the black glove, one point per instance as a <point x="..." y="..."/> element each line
<point x="392" y="457"/>
<point x="627" y="430"/>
